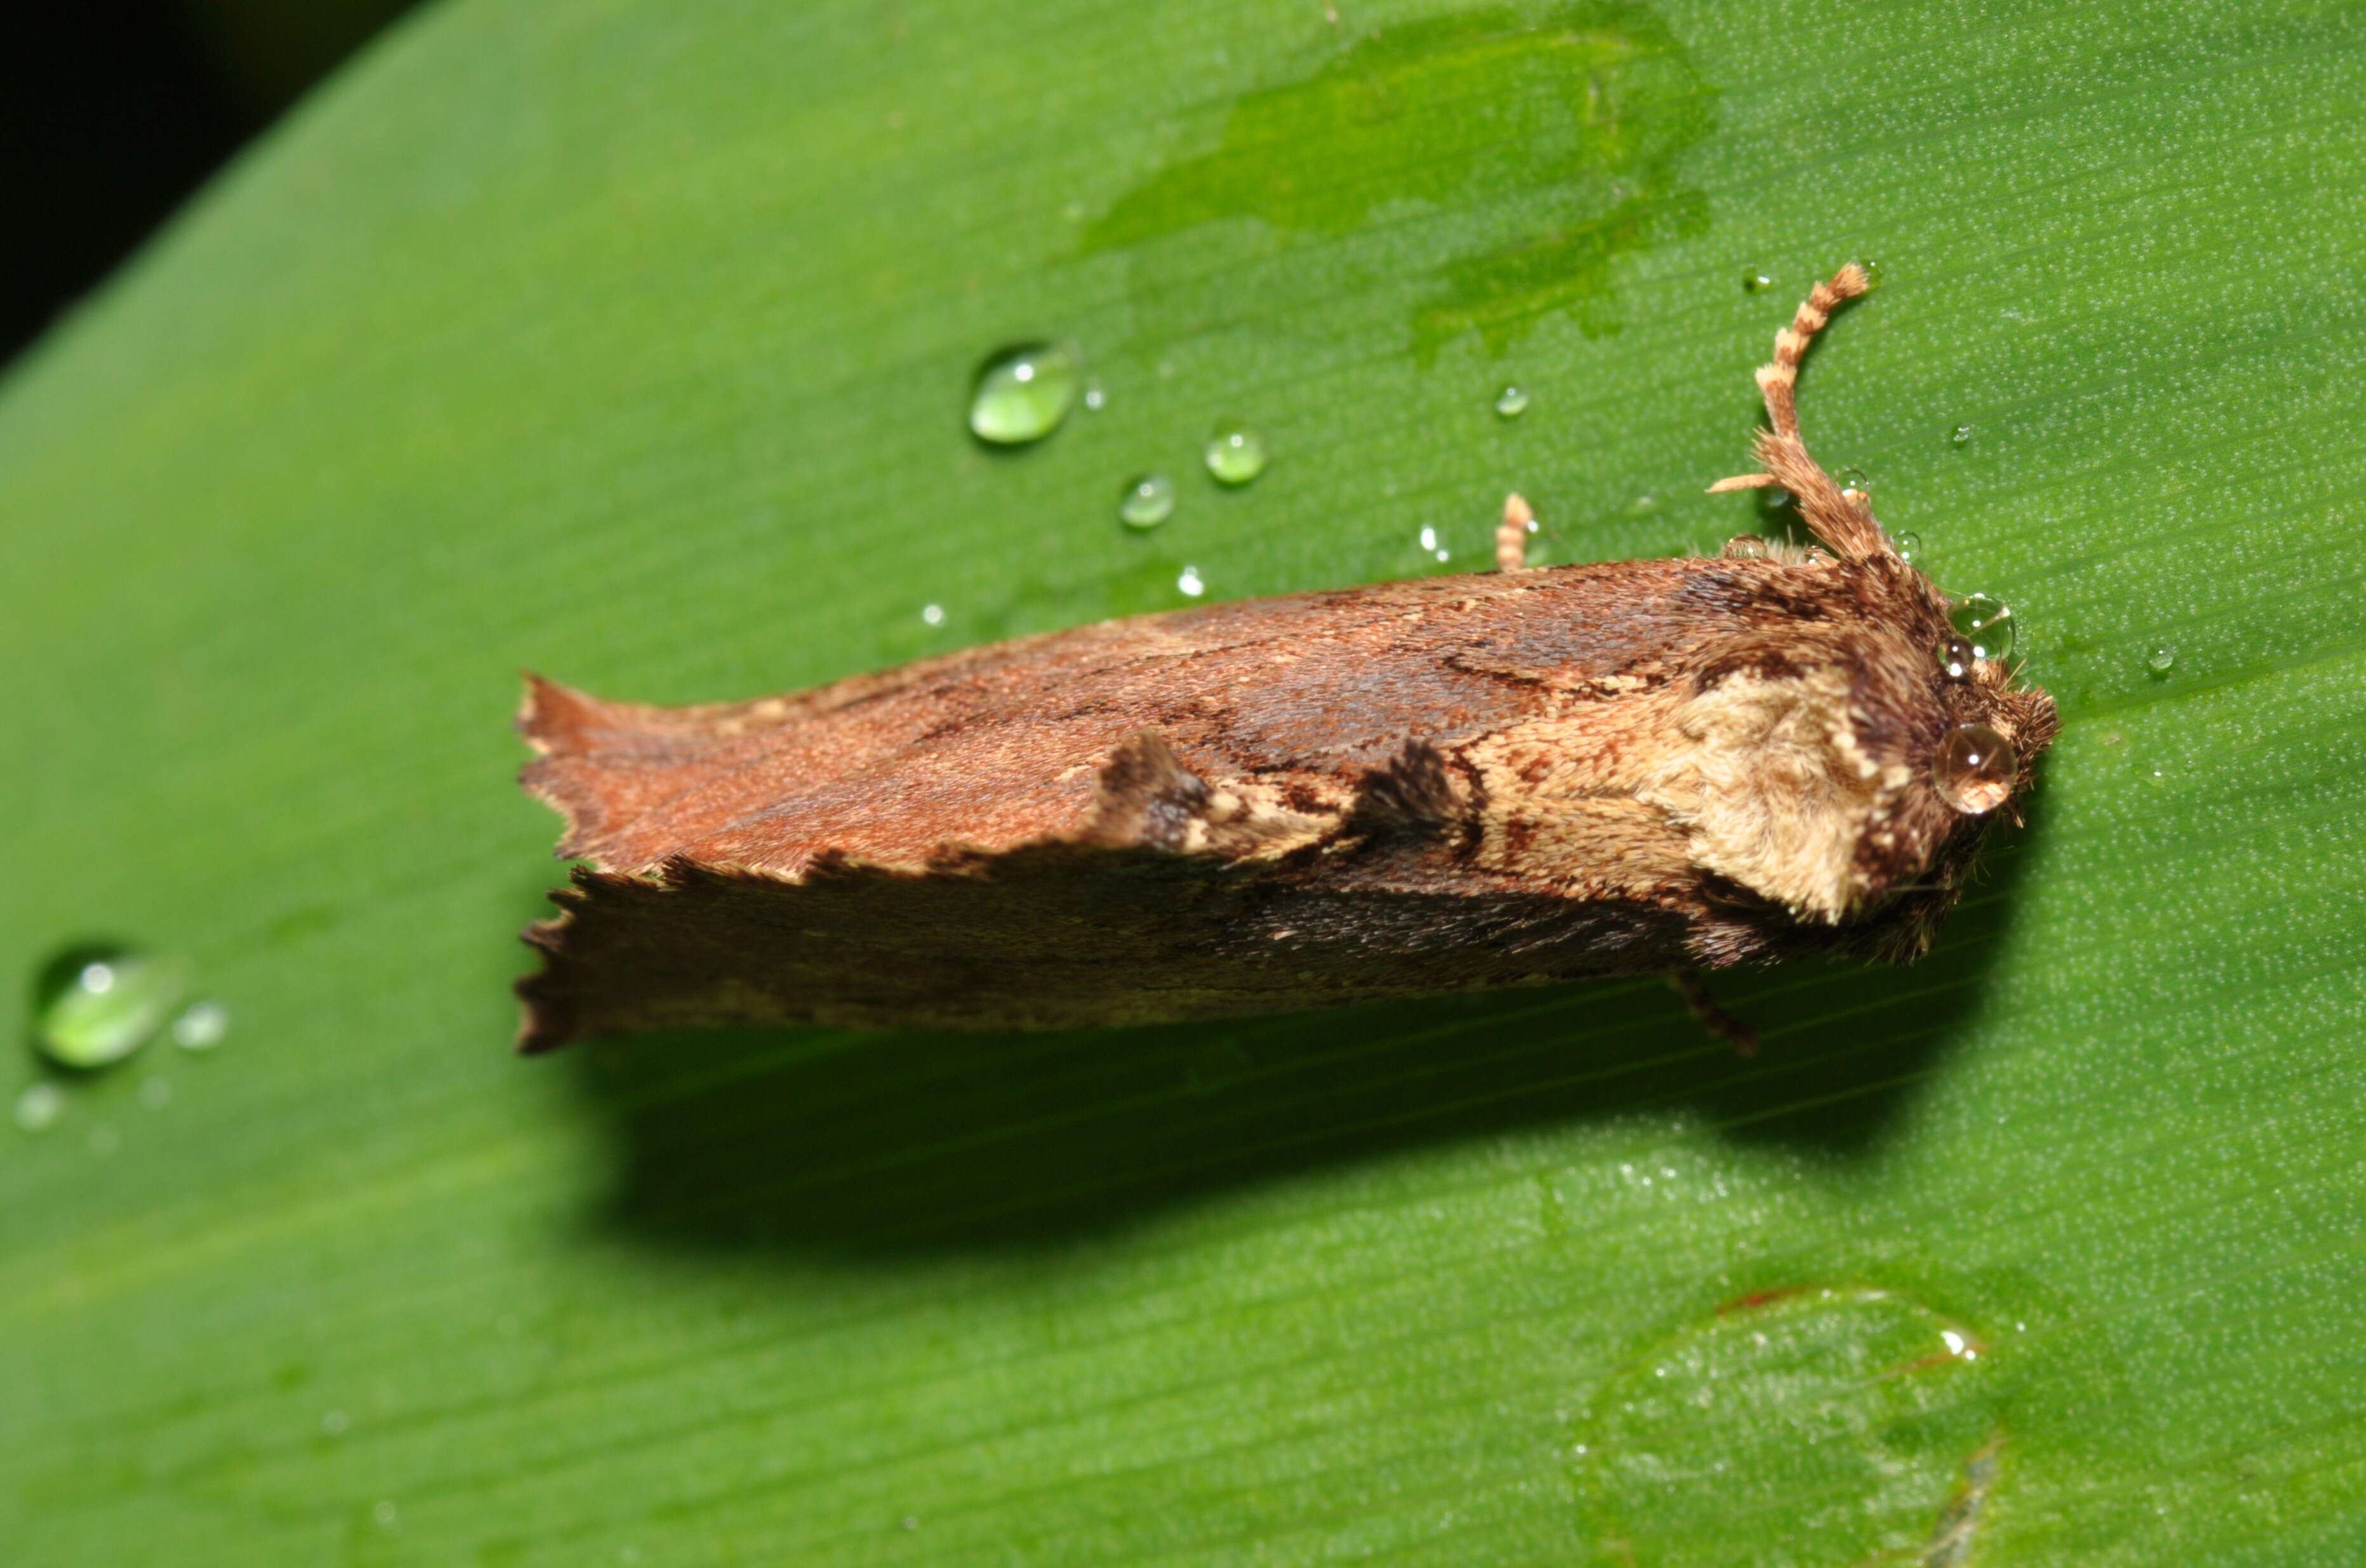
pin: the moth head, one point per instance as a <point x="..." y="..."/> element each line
<point x="1834" y="760"/>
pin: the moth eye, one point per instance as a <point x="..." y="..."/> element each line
<point x="1745" y="546"/>
<point x="1956" y="659"/>
<point x="1975" y="768"/>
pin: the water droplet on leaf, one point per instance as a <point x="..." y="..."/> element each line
<point x="96" y="1006"/>
<point x="1511" y="402"/>
<point x="1754" y="281"/>
<point x="1235" y="455"/>
<point x="202" y="1025"/>
<point x="2161" y="660"/>
<point x="1095" y="397"/>
<point x="39" y="1106"/>
<point x="1023" y="392"/>
<point x="1148" y="501"/>
<point x="1984" y="623"/>
<point x="1975" y="768"/>
<point x="1908" y="546"/>
<point x="1189" y="582"/>
<point x="1960" y="436"/>
<point x="932" y="615"/>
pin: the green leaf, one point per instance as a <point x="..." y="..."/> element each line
<point x="632" y="343"/>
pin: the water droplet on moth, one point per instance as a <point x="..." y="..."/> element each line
<point x="2161" y="660"/>
<point x="1148" y="501"/>
<point x="95" y="1007"/>
<point x="1754" y="281"/>
<point x="932" y="615"/>
<point x="1095" y="397"/>
<point x="1511" y="402"/>
<point x="1956" y="659"/>
<point x="1189" y="582"/>
<point x="39" y="1107"/>
<point x="1960" y="436"/>
<point x="1023" y="392"/>
<point x="1984" y="623"/>
<point x="1745" y="546"/>
<point x="1975" y="768"/>
<point x="1908" y="546"/>
<point x="1235" y="454"/>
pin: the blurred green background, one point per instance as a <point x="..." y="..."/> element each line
<point x="631" y="342"/>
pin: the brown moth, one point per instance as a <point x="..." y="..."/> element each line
<point x="1504" y="778"/>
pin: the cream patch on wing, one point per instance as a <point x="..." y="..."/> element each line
<point x="1774" y="790"/>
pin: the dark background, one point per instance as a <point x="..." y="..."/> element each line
<point x="113" y="111"/>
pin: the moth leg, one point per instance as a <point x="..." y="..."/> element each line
<point x="1841" y="518"/>
<point x="1690" y="989"/>
<point x="1511" y="534"/>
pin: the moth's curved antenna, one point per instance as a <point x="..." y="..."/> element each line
<point x="1842" y="518"/>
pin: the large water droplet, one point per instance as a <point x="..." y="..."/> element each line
<point x="39" y="1106"/>
<point x="1023" y="392"/>
<point x="1975" y="768"/>
<point x="1235" y="455"/>
<point x="1853" y="1417"/>
<point x="1984" y="623"/>
<point x="95" y="1007"/>
<point x="1148" y="501"/>
<point x="1511" y="402"/>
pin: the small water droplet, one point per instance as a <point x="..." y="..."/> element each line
<point x="2161" y="660"/>
<point x="1235" y="455"/>
<point x="1960" y="436"/>
<point x="39" y="1107"/>
<point x="1746" y="547"/>
<point x="1095" y="397"/>
<point x="333" y="1423"/>
<point x="1189" y="582"/>
<point x="1148" y="501"/>
<point x="156" y="1093"/>
<point x="203" y="1025"/>
<point x="1023" y="392"/>
<point x="1643" y="505"/>
<point x="1984" y="623"/>
<point x="1874" y="275"/>
<point x="1908" y="546"/>
<point x="1511" y="402"/>
<point x="96" y="1006"/>
<point x="384" y="1512"/>
<point x="1430" y="538"/>
<point x="1975" y="768"/>
<point x="1754" y="281"/>
<point x="1956" y="659"/>
<point x="1854" y="480"/>
<point x="932" y="615"/>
